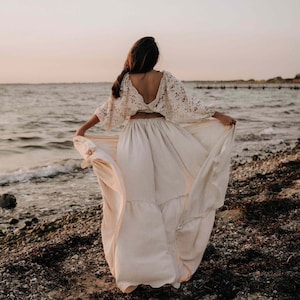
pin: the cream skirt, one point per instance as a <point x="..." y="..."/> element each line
<point x="161" y="185"/>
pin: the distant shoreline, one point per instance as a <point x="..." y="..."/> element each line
<point x="275" y="80"/>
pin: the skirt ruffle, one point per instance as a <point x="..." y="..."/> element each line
<point x="161" y="185"/>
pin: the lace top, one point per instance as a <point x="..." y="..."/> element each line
<point x="171" y="101"/>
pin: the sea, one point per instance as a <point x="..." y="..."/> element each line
<point x="41" y="168"/>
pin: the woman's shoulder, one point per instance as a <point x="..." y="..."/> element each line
<point x="125" y="82"/>
<point x="170" y="75"/>
<point x="167" y="73"/>
<point x="170" y="78"/>
<point x="125" y="78"/>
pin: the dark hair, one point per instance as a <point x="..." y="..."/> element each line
<point x="141" y="58"/>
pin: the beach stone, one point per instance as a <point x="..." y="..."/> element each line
<point x="275" y="187"/>
<point x="8" y="201"/>
<point x="28" y="223"/>
<point x="34" y="220"/>
<point x="229" y="216"/>
<point x="13" y="221"/>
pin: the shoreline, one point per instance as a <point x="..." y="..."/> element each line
<point x="252" y="253"/>
<point x="45" y="198"/>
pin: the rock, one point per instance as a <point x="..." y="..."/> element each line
<point x="229" y="215"/>
<point x="8" y="201"/>
<point x="275" y="187"/>
<point x="34" y="220"/>
<point x="28" y="223"/>
<point x="13" y="221"/>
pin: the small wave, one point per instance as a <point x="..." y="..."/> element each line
<point x="28" y="92"/>
<point x="75" y="122"/>
<point x="33" y="147"/>
<point x="64" y="167"/>
<point x="50" y="145"/>
<point x="9" y="151"/>
<point x="61" y="145"/>
<point x="29" y="138"/>
<point x="290" y="104"/>
<point x="249" y="137"/>
<point x="258" y="106"/>
<point x="23" y="138"/>
<point x="255" y="106"/>
<point x="35" y="124"/>
<point x="275" y="106"/>
<point x="268" y="131"/>
<point x="263" y="135"/>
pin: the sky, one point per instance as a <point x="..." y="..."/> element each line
<point x="88" y="40"/>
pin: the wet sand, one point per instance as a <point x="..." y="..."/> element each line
<point x="253" y="252"/>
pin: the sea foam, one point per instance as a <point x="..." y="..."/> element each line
<point x="27" y="175"/>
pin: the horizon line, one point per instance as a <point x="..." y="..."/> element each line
<point x="296" y="77"/>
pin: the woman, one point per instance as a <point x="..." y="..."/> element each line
<point x="162" y="178"/>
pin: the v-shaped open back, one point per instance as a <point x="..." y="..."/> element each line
<point x="148" y="87"/>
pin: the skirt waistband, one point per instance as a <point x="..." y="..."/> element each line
<point x="144" y="115"/>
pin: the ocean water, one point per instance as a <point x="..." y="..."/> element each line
<point x="39" y="165"/>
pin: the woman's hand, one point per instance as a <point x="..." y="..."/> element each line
<point x="224" y="119"/>
<point x="87" y="125"/>
<point x="80" y="131"/>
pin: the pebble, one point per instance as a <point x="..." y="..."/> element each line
<point x="28" y="223"/>
<point x="34" y="220"/>
<point x="8" y="201"/>
<point x="13" y="221"/>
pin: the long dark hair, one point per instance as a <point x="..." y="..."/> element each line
<point x="141" y="58"/>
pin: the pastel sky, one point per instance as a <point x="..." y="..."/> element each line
<point x="88" y="40"/>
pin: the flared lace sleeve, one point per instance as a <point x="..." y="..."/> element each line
<point x="181" y="106"/>
<point x="114" y="112"/>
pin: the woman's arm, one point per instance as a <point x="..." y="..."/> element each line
<point x="224" y="119"/>
<point x="87" y="125"/>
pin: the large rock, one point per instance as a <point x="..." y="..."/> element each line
<point x="8" y="201"/>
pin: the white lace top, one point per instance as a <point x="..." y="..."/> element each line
<point x="171" y="101"/>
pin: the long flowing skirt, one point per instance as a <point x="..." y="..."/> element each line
<point x="161" y="185"/>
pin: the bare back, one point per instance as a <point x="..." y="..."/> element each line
<point x="147" y="84"/>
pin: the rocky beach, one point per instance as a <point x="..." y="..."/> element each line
<point x="253" y="252"/>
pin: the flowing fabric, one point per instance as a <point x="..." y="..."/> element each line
<point x="161" y="184"/>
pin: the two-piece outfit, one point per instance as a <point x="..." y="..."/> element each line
<point x="162" y="180"/>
